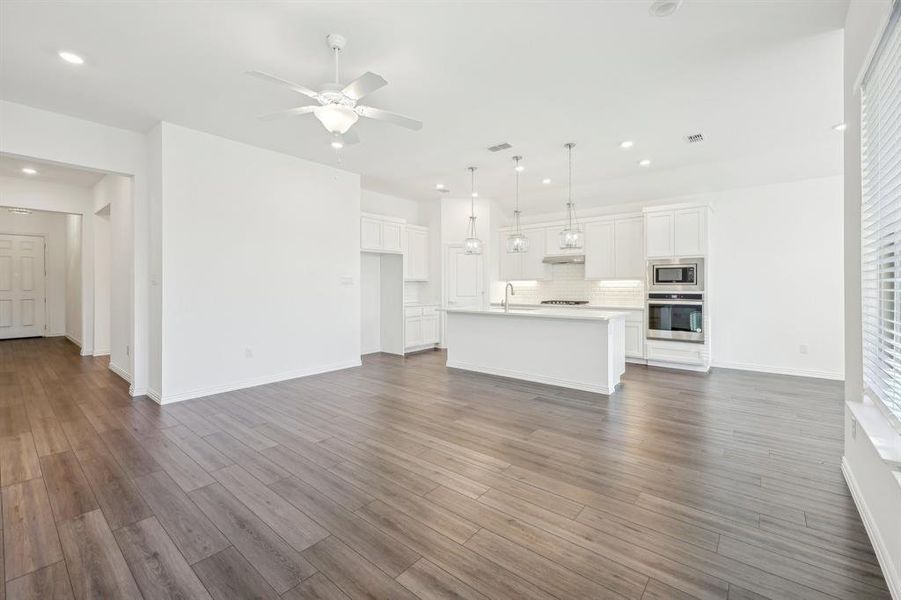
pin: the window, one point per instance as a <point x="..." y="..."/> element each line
<point x="881" y="219"/>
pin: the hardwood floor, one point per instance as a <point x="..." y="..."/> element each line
<point x="402" y="479"/>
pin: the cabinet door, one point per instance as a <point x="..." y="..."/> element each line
<point x="510" y="264"/>
<point x="689" y="232"/>
<point x="599" y="246"/>
<point x="659" y="234"/>
<point x="421" y="256"/>
<point x="532" y="266"/>
<point x="430" y="330"/>
<point x="634" y="340"/>
<point x="392" y="236"/>
<point x="629" y="248"/>
<point x="413" y="332"/>
<point x="370" y="234"/>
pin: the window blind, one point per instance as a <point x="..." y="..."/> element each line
<point x="881" y="219"/>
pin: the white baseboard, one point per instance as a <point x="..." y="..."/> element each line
<point x="251" y="382"/>
<point x="513" y="374"/>
<point x="77" y="342"/>
<point x="679" y="366"/>
<point x="778" y="370"/>
<point x="892" y="576"/>
<point x="120" y="371"/>
<point x="98" y="353"/>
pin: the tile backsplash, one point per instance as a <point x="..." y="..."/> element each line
<point x="568" y="283"/>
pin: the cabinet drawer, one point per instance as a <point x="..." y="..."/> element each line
<point x="413" y="311"/>
<point x="675" y="352"/>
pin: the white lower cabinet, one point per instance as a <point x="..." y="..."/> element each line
<point x="420" y="326"/>
<point x="635" y="334"/>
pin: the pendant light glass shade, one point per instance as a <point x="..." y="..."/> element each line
<point x="571" y="237"/>
<point x="472" y="244"/>
<point x="517" y="242"/>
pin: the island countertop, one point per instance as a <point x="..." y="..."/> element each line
<point x="541" y="313"/>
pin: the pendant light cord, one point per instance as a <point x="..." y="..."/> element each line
<point x="569" y="204"/>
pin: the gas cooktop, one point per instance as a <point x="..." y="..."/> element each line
<point x="565" y="302"/>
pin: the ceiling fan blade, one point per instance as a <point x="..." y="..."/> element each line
<point x="364" y="84"/>
<point x="384" y="115"/>
<point x="291" y="112"/>
<point x="284" y="83"/>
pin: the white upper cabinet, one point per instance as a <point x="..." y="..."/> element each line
<point x="381" y="234"/>
<point x="416" y="257"/>
<point x="600" y="258"/>
<point x="524" y="265"/>
<point x="614" y="248"/>
<point x="690" y="232"/>
<point x="659" y="234"/>
<point x="676" y="232"/>
<point x="628" y="248"/>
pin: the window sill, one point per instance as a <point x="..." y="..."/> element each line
<point x="882" y="434"/>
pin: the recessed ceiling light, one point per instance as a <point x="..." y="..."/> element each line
<point x="71" y="57"/>
<point x="440" y="186"/>
<point x="626" y="144"/>
<point x="663" y="8"/>
<point x="840" y="126"/>
<point x="645" y="162"/>
<point x="546" y="180"/>
<point x="29" y="171"/>
<point x="475" y="194"/>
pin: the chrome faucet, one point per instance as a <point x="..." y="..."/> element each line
<point x="508" y="291"/>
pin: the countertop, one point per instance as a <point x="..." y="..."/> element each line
<point x="541" y="313"/>
<point x="570" y="306"/>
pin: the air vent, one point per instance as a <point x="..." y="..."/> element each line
<point x="694" y="138"/>
<point x="499" y="147"/>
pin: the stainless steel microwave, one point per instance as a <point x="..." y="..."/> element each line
<point x="676" y="275"/>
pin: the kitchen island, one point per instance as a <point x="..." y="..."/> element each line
<point x="578" y="349"/>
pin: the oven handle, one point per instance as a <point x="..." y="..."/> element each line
<point x="675" y="302"/>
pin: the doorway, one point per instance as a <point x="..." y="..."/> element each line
<point x="22" y="286"/>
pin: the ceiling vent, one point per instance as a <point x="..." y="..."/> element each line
<point x="694" y="138"/>
<point x="499" y="147"/>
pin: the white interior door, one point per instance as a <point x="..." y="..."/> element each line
<point x="465" y="287"/>
<point x="21" y="286"/>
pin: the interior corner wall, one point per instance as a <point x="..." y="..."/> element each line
<point x="45" y="135"/>
<point x="102" y="282"/>
<point x="260" y="265"/>
<point x="370" y="303"/>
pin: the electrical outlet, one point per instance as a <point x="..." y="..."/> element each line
<point x="803" y="349"/>
<point x="248" y="353"/>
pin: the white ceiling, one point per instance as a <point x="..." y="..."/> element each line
<point x="761" y="79"/>
<point x="11" y="166"/>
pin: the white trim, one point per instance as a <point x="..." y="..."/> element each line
<point x="73" y="340"/>
<point x="120" y="372"/>
<point x="251" y="382"/>
<point x="513" y="374"/>
<point x="778" y="370"/>
<point x="678" y="366"/>
<point x="892" y="577"/>
<point x="134" y="392"/>
<point x="100" y="353"/>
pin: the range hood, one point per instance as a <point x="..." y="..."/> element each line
<point x="561" y="259"/>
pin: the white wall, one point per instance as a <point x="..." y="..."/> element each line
<point x="777" y="272"/>
<point x="73" y="279"/>
<point x="260" y="256"/>
<point x="392" y="206"/>
<point x="875" y="488"/>
<point x="52" y="228"/>
<point x="44" y="135"/>
<point x="102" y="282"/>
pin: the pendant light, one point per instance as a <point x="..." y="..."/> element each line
<point x="472" y="244"/>
<point x="571" y="237"/>
<point x="517" y="242"/>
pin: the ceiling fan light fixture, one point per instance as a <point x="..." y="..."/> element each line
<point x="336" y="118"/>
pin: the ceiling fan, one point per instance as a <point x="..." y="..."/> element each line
<point x="337" y="107"/>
